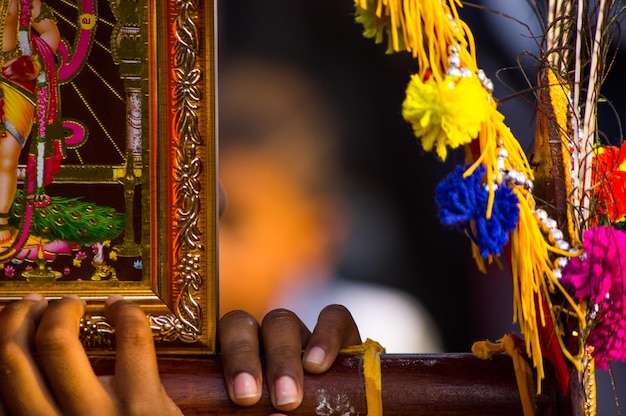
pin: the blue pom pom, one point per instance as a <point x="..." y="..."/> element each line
<point x="457" y="198"/>
<point x="462" y="201"/>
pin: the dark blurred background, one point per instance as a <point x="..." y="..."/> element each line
<point x="401" y="242"/>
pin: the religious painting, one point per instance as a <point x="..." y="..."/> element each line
<point x="107" y="180"/>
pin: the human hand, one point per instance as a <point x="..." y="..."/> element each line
<point x="282" y="336"/>
<point x="44" y="369"/>
<point x="22" y="68"/>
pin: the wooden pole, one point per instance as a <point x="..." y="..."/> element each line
<point x="415" y="385"/>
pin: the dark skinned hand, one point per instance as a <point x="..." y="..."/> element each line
<point x="62" y="382"/>
<point x="281" y="337"/>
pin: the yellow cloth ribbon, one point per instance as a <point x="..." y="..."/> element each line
<point x="372" y="378"/>
<point x="523" y="372"/>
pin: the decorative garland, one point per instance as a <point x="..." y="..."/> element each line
<point x="44" y="160"/>
<point x="569" y="286"/>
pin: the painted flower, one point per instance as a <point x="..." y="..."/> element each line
<point x="445" y="114"/>
<point x="463" y="202"/>
<point x="598" y="277"/>
<point x="9" y="271"/>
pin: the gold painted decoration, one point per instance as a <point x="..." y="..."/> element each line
<point x="116" y="183"/>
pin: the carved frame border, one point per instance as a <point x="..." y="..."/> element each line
<point x="182" y="308"/>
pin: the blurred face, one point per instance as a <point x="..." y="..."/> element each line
<point x="271" y="235"/>
<point x="279" y="229"/>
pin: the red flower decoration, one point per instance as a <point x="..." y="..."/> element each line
<point x="609" y="175"/>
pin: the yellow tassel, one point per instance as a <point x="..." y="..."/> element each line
<point x="425" y="28"/>
<point x="534" y="282"/>
<point x="523" y="373"/>
<point x="432" y="32"/>
<point x="372" y="376"/>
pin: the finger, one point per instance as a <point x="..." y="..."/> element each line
<point x="137" y="381"/>
<point x="22" y="385"/>
<point x="238" y="336"/>
<point x="65" y="361"/>
<point x="284" y="337"/>
<point x="335" y="330"/>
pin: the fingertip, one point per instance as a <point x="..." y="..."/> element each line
<point x="245" y="389"/>
<point x="120" y="311"/>
<point x="33" y="296"/>
<point x="286" y="393"/>
<point x="113" y="299"/>
<point x="315" y="359"/>
<point x="72" y="298"/>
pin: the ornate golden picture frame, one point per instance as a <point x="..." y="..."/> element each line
<point x="116" y="187"/>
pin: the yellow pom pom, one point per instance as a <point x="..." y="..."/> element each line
<point x="446" y="114"/>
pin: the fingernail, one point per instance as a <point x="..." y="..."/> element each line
<point x="112" y="299"/>
<point x="286" y="391"/>
<point x="244" y="386"/>
<point x="315" y="355"/>
<point x="33" y="296"/>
